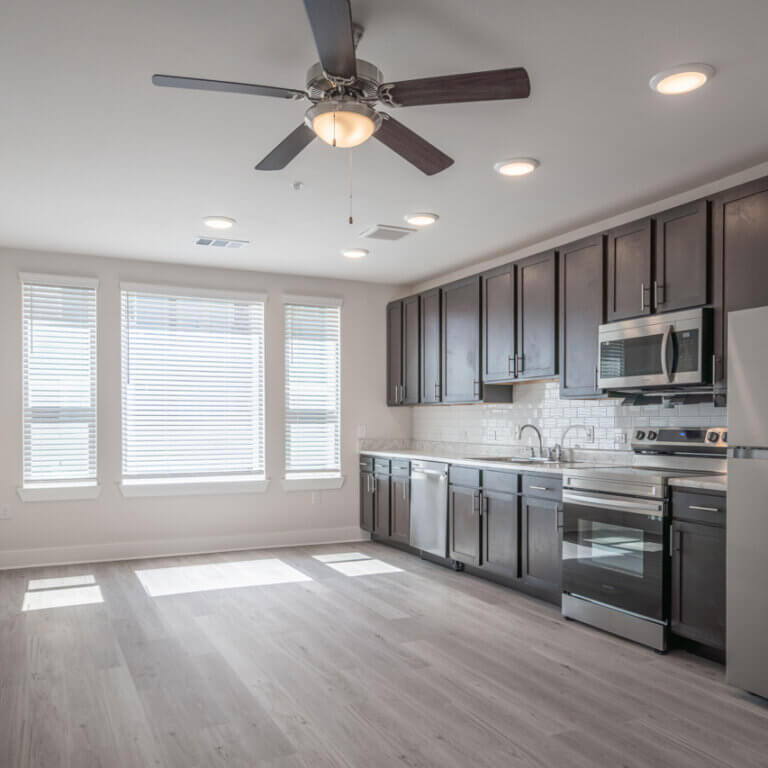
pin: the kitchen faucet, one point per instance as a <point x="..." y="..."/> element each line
<point x="536" y="430"/>
<point x="588" y="428"/>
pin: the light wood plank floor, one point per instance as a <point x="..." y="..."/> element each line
<point x="419" y="667"/>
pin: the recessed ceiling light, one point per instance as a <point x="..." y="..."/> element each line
<point x="355" y="253"/>
<point x="421" y="219"/>
<point x="682" y="79"/>
<point x="517" y="166"/>
<point x="219" y="222"/>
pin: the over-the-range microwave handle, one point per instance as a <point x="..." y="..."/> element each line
<point x="665" y="367"/>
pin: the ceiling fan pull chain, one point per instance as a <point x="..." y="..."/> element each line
<point x="334" y="129"/>
<point x="351" y="219"/>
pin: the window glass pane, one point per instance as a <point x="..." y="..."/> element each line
<point x="59" y="381"/>
<point x="193" y="385"/>
<point x="312" y="389"/>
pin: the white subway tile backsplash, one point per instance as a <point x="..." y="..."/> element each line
<point x="539" y="403"/>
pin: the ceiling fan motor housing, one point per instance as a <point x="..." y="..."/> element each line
<point x="366" y="83"/>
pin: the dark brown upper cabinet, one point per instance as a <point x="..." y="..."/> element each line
<point x="740" y="270"/>
<point x="461" y="341"/>
<point x="431" y="373"/>
<point x="499" y="319"/>
<point x="630" y="249"/>
<point x="411" y="367"/>
<point x="681" y="257"/>
<point x="536" y="317"/>
<point x="582" y="310"/>
<point x="394" y="352"/>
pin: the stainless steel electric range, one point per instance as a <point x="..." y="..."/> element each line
<point x="616" y="532"/>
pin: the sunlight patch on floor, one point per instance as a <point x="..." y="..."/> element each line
<point x="185" y="579"/>
<point x="62" y="581"/>
<point x="364" y="567"/>
<point x="341" y="557"/>
<point x="62" y="598"/>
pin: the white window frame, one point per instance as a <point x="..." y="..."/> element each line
<point x="326" y="480"/>
<point x="197" y="486"/>
<point x="64" y="490"/>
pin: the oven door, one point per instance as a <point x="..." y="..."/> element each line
<point x="657" y="351"/>
<point x="613" y="551"/>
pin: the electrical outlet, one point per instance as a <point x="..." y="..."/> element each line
<point x="591" y="434"/>
<point x="5" y="512"/>
<point x="620" y="438"/>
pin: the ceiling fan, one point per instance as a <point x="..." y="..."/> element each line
<point x="344" y="89"/>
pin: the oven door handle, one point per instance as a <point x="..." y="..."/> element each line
<point x="665" y="363"/>
<point x="615" y="502"/>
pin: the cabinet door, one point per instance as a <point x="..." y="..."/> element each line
<point x="541" y="531"/>
<point x="740" y="231"/>
<point x="431" y="374"/>
<point x="501" y="533"/>
<point x="499" y="324"/>
<point x="681" y="257"/>
<point x="411" y="373"/>
<point x="394" y="352"/>
<point x="629" y="270"/>
<point x="698" y="583"/>
<point x="461" y="341"/>
<point x="582" y="310"/>
<point x="366" y="501"/>
<point x="401" y="509"/>
<point x="381" y="505"/>
<point x="464" y="524"/>
<point x="537" y="316"/>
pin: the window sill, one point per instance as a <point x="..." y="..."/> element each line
<point x="139" y="489"/>
<point x="78" y="492"/>
<point x="318" y="483"/>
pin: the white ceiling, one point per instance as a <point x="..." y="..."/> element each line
<point x="94" y="159"/>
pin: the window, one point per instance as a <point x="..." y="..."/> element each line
<point x="312" y="387"/>
<point x="193" y="386"/>
<point x="59" y="381"/>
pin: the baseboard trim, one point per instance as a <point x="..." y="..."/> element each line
<point x="11" y="559"/>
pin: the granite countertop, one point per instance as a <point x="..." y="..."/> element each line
<point x="540" y="467"/>
<point x="702" y="482"/>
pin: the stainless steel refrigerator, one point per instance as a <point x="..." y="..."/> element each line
<point x="747" y="523"/>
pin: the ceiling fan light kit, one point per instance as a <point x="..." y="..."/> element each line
<point x="344" y="89"/>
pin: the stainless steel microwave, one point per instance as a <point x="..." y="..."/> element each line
<point x="671" y="350"/>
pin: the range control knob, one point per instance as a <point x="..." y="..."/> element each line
<point x="725" y="437"/>
<point x="713" y="437"/>
<point x="639" y="435"/>
<point x="652" y="435"/>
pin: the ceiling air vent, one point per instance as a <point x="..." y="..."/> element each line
<point x="220" y="242"/>
<point x="386" y="232"/>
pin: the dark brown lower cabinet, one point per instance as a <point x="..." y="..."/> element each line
<point x="381" y="506"/>
<point x="697" y="608"/>
<point x="366" y="501"/>
<point x="500" y="533"/>
<point x="464" y="524"/>
<point x="541" y="546"/>
<point x="400" y="503"/>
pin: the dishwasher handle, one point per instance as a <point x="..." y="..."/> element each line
<point x="425" y="472"/>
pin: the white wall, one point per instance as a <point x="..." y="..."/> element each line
<point x="113" y="526"/>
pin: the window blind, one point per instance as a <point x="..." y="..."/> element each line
<point x="192" y="385"/>
<point x="58" y="380"/>
<point x="312" y="388"/>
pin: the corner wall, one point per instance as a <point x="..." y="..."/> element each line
<point x="113" y="527"/>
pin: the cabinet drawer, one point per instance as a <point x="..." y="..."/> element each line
<point x="467" y="476"/>
<point x="500" y="481"/>
<point x="543" y="486"/>
<point x="401" y="467"/>
<point x="698" y="507"/>
<point x="381" y="466"/>
<point x="366" y="463"/>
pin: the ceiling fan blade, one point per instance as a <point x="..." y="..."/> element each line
<point x="287" y="149"/>
<point x="451" y="89"/>
<point x="200" y="84"/>
<point x="331" y="22"/>
<point x="411" y="146"/>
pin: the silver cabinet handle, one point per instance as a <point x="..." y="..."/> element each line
<point x="509" y="365"/>
<point x="656" y="288"/>
<point x="475" y="389"/>
<point x="697" y="508"/>
<point x="516" y="359"/>
<point x="559" y="522"/>
<point x="476" y="502"/>
<point x="404" y="487"/>
<point x="519" y="366"/>
<point x="595" y="377"/>
<point x="538" y="488"/>
<point x="437" y="391"/>
<point x="642" y="297"/>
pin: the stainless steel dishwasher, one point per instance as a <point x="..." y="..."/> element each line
<point x="429" y="507"/>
